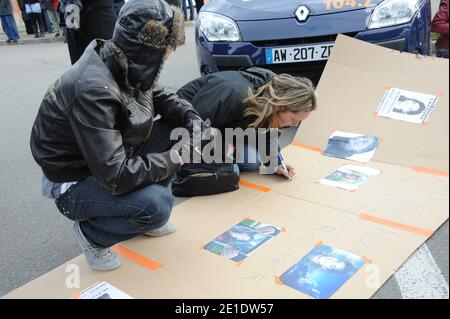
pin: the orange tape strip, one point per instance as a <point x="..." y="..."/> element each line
<point x="320" y="243"/>
<point x="256" y="187"/>
<point x="278" y="281"/>
<point x="239" y="263"/>
<point x="307" y="147"/>
<point x="136" y="258"/>
<point x="389" y="223"/>
<point x="367" y="260"/>
<point x="425" y="170"/>
<point x="441" y="93"/>
<point x="76" y="295"/>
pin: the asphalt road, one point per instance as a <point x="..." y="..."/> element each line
<point x="35" y="238"/>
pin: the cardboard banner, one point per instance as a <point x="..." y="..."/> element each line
<point x="365" y="235"/>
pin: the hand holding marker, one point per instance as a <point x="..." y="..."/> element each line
<point x="283" y="164"/>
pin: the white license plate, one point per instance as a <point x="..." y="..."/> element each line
<point x="304" y="53"/>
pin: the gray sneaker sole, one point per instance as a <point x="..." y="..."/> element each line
<point x="76" y="230"/>
<point x="155" y="233"/>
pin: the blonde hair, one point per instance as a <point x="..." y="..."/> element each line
<point x="283" y="93"/>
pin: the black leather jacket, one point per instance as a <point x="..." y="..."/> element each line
<point x="95" y="115"/>
<point x="91" y="121"/>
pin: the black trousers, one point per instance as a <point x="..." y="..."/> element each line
<point x="96" y="22"/>
<point x="176" y="3"/>
<point x="37" y="23"/>
<point x="199" y="4"/>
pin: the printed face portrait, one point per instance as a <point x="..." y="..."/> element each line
<point x="328" y="262"/>
<point x="361" y="144"/>
<point x="346" y="177"/>
<point x="348" y="146"/>
<point x="240" y="236"/>
<point x="409" y="106"/>
<point x="350" y="176"/>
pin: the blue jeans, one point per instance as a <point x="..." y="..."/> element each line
<point x="251" y="162"/>
<point x="106" y="219"/>
<point x="53" y="17"/>
<point x="47" y="22"/>
<point x="9" y="27"/>
<point x="191" y="10"/>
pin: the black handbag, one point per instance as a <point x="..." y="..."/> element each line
<point x="205" y="179"/>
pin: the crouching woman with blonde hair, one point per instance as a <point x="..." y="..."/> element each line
<point x="254" y="98"/>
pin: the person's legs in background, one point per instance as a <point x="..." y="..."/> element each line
<point x="184" y="9"/>
<point x="10" y="28"/>
<point x="54" y="20"/>
<point x="95" y="22"/>
<point x="34" y="24"/>
<point x="46" y="19"/>
<point x="198" y="5"/>
<point x="64" y="30"/>
<point x="28" y="24"/>
<point x="176" y="3"/>
<point x="5" y="28"/>
<point x="62" y="24"/>
<point x="191" y="10"/>
<point x="41" y="24"/>
<point x="442" y="53"/>
<point x="37" y="24"/>
<point x="74" y="44"/>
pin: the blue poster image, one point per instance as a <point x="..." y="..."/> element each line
<point x="242" y="239"/>
<point x="322" y="271"/>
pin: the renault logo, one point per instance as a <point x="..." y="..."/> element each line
<point x="302" y="13"/>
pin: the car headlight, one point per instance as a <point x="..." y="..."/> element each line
<point x="217" y="27"/>
<point x="393" y="12"/>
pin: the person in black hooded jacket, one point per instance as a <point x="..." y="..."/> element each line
<point x="253" y="98"/>
<point x="102" y="162"/>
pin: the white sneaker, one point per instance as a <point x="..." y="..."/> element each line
<point x="102" y="259"/>
<point x="164" y="230"/>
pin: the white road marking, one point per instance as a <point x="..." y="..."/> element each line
<point x="421" y="278"/>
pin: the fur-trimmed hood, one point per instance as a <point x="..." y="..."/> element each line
<point x="145" y="29"/>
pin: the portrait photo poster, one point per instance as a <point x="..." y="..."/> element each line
<point x="322" y="271"/>
<point x="242" y="239"/>
<point x="356" y="147"/>
<point x="350" y="177"/>
<point x="407" y="106"/>
<point x="103" y="290"/>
